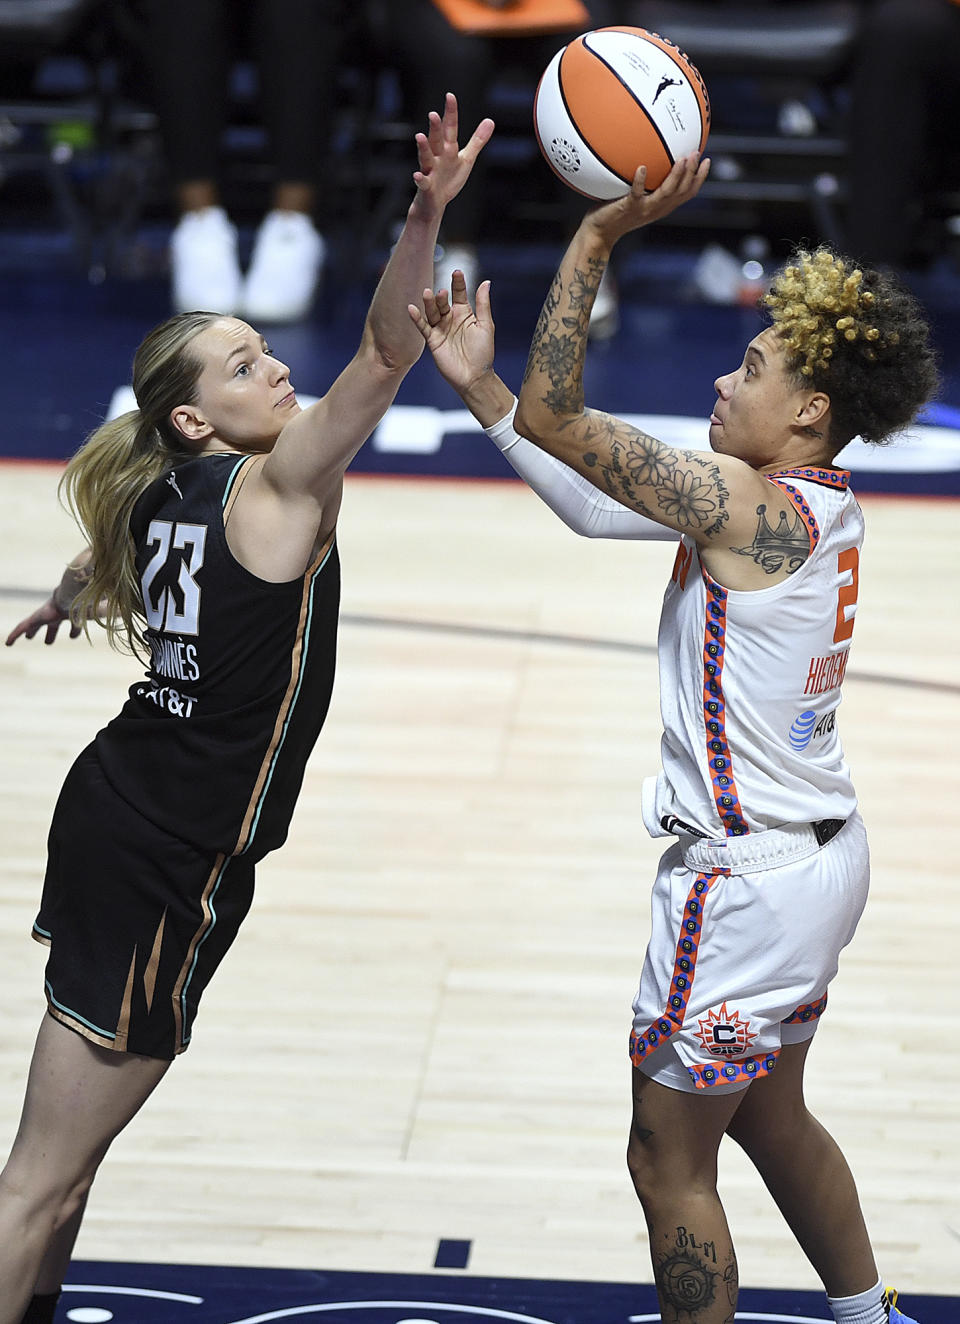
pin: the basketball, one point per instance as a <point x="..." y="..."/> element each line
<point x="615" y="99"/>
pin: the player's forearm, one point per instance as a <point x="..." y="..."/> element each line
<point x="488" y="398"/>
<point x="552" y="393"/>
<point x="397" y="342"/>
<point x="577" y="501"/>
<point x="75" y="577"/>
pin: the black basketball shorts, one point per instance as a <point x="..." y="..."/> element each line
<point x="136" y="920"/>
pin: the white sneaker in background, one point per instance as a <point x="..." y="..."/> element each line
<point x="449" y="259"/>
<point x="288" y="257"/>
<point x="204" y="268"/>
<point x="605" y="314"/>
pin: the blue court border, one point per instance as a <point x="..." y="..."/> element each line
<point x="197" y="1294"/>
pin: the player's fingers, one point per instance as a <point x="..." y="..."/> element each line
<point x="458" y="287"/>
<point x="478" y="140"/>
<point x="692" y="178"/>
<point x="639" y="185"/>
<point x="484" y="311"/>
<point x="451" y="118"/>
<point x="692" y="167"/>
<point x="430" y="310"/>
<point x="678" y="174"/>
<point x="435" y="132"/>
<point x="418" y="319"/>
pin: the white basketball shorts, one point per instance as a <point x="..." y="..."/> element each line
<point x="745" y="937"/>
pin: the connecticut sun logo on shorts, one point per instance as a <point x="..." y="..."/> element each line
<point x="725" y="1033"/>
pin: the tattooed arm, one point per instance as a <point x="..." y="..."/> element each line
<point x="682" y="489"/>
<point x="552" y="395"/>
<point x="714" y="499"/>
<point x="461" y="341"/>
<point x="749" y="533"/>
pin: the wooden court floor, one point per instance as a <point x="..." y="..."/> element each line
<point x="421" y="1031"/>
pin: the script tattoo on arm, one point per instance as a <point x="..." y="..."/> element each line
<point x="681" y="488"/>
<point x="785" y="547"/>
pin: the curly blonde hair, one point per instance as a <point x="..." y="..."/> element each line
<point x="859" y="336"/>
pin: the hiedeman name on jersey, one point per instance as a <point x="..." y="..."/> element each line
<point x="173" y="658"/>
<point x="826" y="672"/>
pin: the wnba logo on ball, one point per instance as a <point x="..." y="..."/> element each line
<point x="621" y="97"/>
<point x="565" y="155"/>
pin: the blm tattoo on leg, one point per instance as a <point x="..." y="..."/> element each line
<point x="685" y="1283"/>
<point x="690" y="1280"/>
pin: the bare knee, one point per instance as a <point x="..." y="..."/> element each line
<point x="761" y="1133"/>
<point x="56" y="1196"/>
<point x="656" y="1168"/>
<point x="74" y="1201"/>
<point x="639" y="1162"/>
<point x="674" y="1139"/>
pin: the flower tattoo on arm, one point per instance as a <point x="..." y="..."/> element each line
<point x="683" y="489"/>
<point x="560" y="337"/>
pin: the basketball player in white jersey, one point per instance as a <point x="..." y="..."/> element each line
<point x="767" y="871"/>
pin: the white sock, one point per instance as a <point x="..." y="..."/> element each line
<point x="866" y="1308"/>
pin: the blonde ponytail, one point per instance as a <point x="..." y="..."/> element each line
<point x="117" y="463"/>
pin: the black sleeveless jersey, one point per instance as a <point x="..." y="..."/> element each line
<point x="212" y="744"/>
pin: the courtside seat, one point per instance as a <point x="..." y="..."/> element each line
<point x="68" y="131"/>
<point x="776" y="75"/>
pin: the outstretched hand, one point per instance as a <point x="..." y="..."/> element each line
<point x="460" y="340"/>
<point x="638" y="207"/>
<point x="47" y="617"/>
<point x="444" y="165"/>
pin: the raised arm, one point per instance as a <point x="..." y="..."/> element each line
<point x="297" y="487"/>
<point x="685" y="490"/>
<point x="582" y="507"/>
<point x="462" y="344"/>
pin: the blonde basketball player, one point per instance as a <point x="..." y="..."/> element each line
<point x="767" y="871"/>
<point x="212" y="511"/>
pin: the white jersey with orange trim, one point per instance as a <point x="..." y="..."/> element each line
<point x="750" y="681"/>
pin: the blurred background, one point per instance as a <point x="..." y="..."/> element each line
<point x="255" y="156"/>
<point x="455" y="926"/>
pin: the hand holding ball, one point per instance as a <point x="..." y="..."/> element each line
<point x="615" y="99"/>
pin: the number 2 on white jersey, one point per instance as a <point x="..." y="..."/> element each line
<point x="848" y="563"/>
<point x="165" y="614"/>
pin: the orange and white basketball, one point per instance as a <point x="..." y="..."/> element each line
<point x="615" y="99"/>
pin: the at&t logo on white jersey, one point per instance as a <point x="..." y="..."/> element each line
<point x="806" y="727"/>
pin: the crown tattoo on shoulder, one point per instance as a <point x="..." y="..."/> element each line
<point x="773" y="549"/>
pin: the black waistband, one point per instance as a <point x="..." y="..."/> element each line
<point x="827" y="829"/>
<point x="824" y="831"/>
